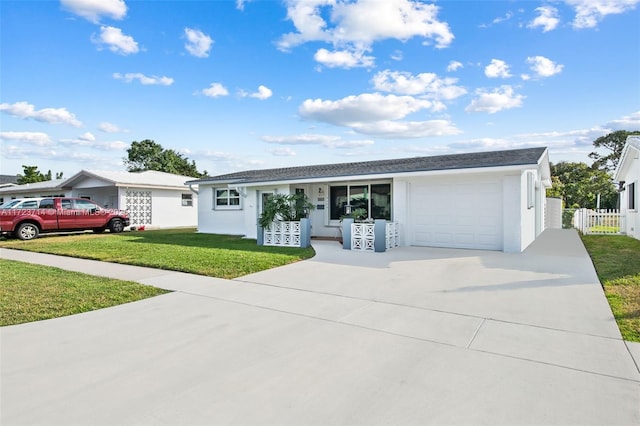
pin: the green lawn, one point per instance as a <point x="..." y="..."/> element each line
<point x="617" y="262"/>
<point x="184" y="250"/>
<point x="34" y="292"/>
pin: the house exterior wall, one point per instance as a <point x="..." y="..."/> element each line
<point x="168" y="212"/>
<point x="90" y="182"/>
<point x="631" y="174"/>
<point x="517" y="196"/>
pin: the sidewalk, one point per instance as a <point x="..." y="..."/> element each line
<point x="412" y="336"/>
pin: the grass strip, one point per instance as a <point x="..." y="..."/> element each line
<point x="184" y="250"/>
<point x="34" y="292"/>
<point x="617" y="262"/>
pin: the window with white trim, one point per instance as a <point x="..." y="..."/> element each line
<point x="632" y="201"/>
<point x="225" y="198"/>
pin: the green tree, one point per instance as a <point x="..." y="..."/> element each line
<point x="148" y="155"/>
<point x="31" y="174"/>
<point x="613" y="143"/>
<point x="579" y="185"/>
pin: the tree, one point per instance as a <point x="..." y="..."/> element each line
<point x="32" y="175"/>
<point x="613" y="143"/>
<point x="148" y="155"/>
<point x="579" y="186"/>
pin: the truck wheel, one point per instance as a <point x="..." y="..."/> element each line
<point x="27" y="231"/>
<point x="116" y="226"/>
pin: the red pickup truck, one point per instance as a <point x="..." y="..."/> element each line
<point x="27" y="218"/>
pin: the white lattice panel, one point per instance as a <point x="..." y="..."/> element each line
<point x="392" y="239"/>
<point x="285" y="234"/>
<point x="138" y="206"/>
<point x="362" y="236"/>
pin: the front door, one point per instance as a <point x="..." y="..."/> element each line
<point x="262" y="200"/>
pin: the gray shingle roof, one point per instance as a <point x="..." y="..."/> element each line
<point x="514" y="157"/>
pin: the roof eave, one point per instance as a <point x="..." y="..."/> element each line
<point x="373" y="176"/>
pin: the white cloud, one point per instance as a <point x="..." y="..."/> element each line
<point x="355" y="26"/>
<point x="327" y="141"/>
<point x="116" y="41"/>
<point x="198" y="43"/>
<point x="93" y="10"/>
<point x="88" y="136"/>
<point x="282" y="152"/>
<point x="351" y="144"/>
<point x="629" y="122"/>
<point x="499" y="99"/>
<point x="378" y="115"/>
<point x="428" y="85"/>
<point x="367" y="107"/>
<point x="47" y="115"/>
<point x="407" y="129"/>
<point x="454" y="66"/>
<point x="110" y="128"/>
<point x="397" y="55"/>
<point x="343" y="58"/>
<point x="547" y="19"/>
<point x="303" y="139"/>
<point x="543" y="67"/>
<point x="112" y="146"/>
<point x="32" y="138"/>
<point x="497" y="69"/>
<point x="215" y="90"/>
<point x="143" y="79"/>
<point x="590" y="12"/>
<point x="240" y="4"/>
<point x="507" y="17"/>
<point x="262" y="93"/>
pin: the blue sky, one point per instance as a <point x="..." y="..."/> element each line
<point x="238" y="85"/>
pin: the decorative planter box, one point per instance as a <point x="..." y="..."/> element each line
<point x="377" y="236"/>
<point x="286" y="234"/>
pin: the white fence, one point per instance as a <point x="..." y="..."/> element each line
<point x="605" y="222"/>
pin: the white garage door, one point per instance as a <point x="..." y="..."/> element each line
<point x="456" y="212"/>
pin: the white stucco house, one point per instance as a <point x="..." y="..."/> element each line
<point x="484" y="200"/>
<point x="628" y="174"/>
<point x="153" y="199"/>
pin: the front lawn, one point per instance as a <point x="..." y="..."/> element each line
<point x="34" y="292"/>
<point x="617" y="262"/>
<point x="222" y="256"/>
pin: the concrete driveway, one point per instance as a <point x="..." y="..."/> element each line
<point x="411" y="336"/>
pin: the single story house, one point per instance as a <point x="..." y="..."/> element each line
<point x="484" y="200"/>
<point x="151" y="198"/>
<point x="628" y="174"/>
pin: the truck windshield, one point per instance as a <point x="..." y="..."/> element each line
<point x="10" y="204"/>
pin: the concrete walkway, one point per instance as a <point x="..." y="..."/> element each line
<point x="411" y="336"/>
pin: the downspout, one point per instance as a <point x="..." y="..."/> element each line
<point x="195" y="191"/>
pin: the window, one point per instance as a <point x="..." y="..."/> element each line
<point x="66" y="204"/>
<point x="85" y="205"/>
<point x="226" y="199"/>
<point x="187" y="200"/>
<point x="31" y="204"/>
<point x="47" y="203"/>
<point x="631" y="196"/>
<point x="374" y="198"/>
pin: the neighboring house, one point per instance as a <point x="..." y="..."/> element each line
<point x="485" y="200"/>
<point x="47" y="188"/>
<point x="153" y="199"/>
<point x="628" y="174"/>
<point x="8" y="180"/>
